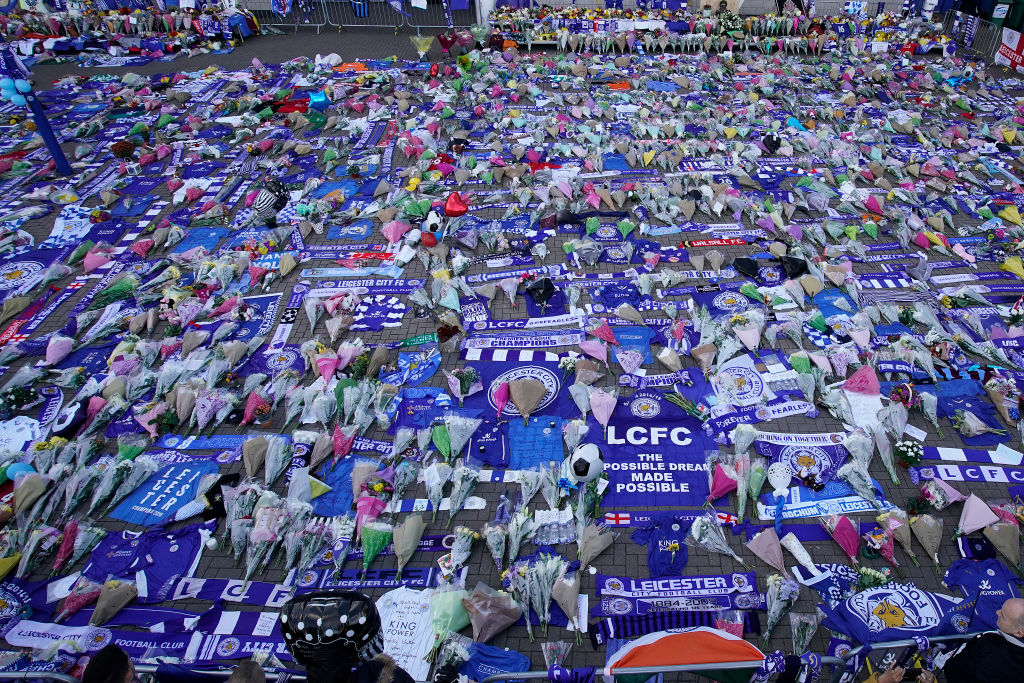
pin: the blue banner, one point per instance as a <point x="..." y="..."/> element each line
<point x="652" y="447"/>
<point x="499" y="365"/>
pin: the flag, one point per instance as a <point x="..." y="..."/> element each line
<point x="898" y="611"/>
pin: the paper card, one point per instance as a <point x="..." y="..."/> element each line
<point x="419" y="4"/>
<point x="912" y="431"/>
<point x="865" y="408"/>
<point x="1004" y="455"/>
<point x="265" y="624"/>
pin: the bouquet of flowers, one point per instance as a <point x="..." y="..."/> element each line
<point x="447" y="615"/>
<point x="406" y="539"/>
<point x="803" y="626"/>
<point x="462" y="548"/>
<point x="969" y="424"/>
<point x="792" y="544"/>
<point x="490" y="612"/>
<point x="780" y="595"/>
<point x="566" y="593"/>
<point x="908" y="452"/>
<point x="342" y="530"/>
<point x="928" y="530"/>
<point x="550" y="485"/>
<point x="529" y="482"/>
<point x="854" y="474"/>
<point x="567" y="364"/>
<point x="88" y="537"/>
<point x="84" y="593"/>
<point x="543" y="573"/>
<point x="520" y="528"/>
<point x="435" y="477"/>
<point x="464" y="479"/>
<point x="496" y="537"/>
<point x="870" y="578"/>
<point x="464" y="382"/>
<point x="516" y="579"/>
<point x="898" y="524"/>
<point x="406" y="473"/>
<point x="930" y="408"/>
<point x="904" y="393"/>
<point x="940" y="494"/>
<point x="42" y="540"/>
<point x="843" y="532"/>
<point x="705" y="533"/>
<point x="881" y="541"/>
<point x="374" y="537"/>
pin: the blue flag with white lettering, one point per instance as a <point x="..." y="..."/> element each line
<point x="652" y="448"/>
<point x="163" y="493"/>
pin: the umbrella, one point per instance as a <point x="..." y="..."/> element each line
<point x="689" y="647"/>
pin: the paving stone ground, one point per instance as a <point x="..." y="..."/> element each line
<point x="624" y="558"/>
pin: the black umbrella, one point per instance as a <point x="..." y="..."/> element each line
<point x="328" y="631"/>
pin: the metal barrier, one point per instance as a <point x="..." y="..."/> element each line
<point x="362" y="14"/>
<point x="973" y="34"/>
<point x="32" y="675"/>
<point x="264" y="12"/>
<point x="837" y="673"/>
<point x="651" y="670"/>
<point x="434" y="17"/>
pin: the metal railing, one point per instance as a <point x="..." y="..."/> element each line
<point x="32" y="675"/>
<point x="263" y="10"/>
<point x="973" y="34"/>
<point x="652" y="670"/>
<point x="837" y="673"/>
<point x="361" y="14"/>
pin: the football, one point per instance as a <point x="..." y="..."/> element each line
<point x="586" y="463"/>
<point x="432" y="223"/>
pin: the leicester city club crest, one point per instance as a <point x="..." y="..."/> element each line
<point x="645" y="406"/>
<point x="549" y="379"/>
<point x="282" y="359"/>
<point x="308" y="578"/>
<point x="228" y="647"/>
<point x="899" y="607"/>
<point x="19" y="273"/>
<point x="731" y="302"/>
<point x="96" y="639"/>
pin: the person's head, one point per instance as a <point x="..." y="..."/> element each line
<point x="1010" y="617"/>
<point x="109" y="665"/>
<point x="248" y="672"/>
